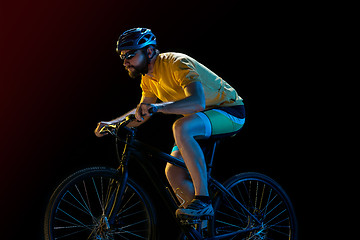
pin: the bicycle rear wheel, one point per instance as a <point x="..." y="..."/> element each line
<point x="77" y="209"/>
<point x="262" y="197"/>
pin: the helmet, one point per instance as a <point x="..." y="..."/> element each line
<point x="135" y="38"/>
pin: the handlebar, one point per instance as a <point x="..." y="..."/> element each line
<point x="153" y="109"/>
<point x="112" y="128"/>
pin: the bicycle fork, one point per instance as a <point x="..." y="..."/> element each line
<point x="118" y="187"/>
<point x="117" y="190"/>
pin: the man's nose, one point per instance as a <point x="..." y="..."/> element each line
<point x="126" y="62"/>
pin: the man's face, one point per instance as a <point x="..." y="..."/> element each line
<point x="134" y="62"/>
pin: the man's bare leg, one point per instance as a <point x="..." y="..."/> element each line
<point x="185" y="130"/>
<point x="180" y="181"/>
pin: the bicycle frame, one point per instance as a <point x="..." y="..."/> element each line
<point x="142" y="153"/>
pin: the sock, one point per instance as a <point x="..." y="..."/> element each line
<point x="204" y="199"/>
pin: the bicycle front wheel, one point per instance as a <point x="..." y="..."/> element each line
<point x="262" y="198"/>
<point x="77" y="209"/>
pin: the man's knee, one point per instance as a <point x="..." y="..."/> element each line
<point x="176" y="153"/>
<point x="185" y="127"/>
<point x="178" y="127"/>
<point x="175" y="174"/>
<point x="171" y="171"/>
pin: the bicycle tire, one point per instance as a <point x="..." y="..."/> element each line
<point x="75" y="209"/>
<point x="264" y="198"/>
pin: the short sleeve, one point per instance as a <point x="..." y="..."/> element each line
<point x="185" y="72"/>
<point x="146" y="92"/>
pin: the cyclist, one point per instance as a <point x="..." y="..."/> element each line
<point x="208" y="104"/>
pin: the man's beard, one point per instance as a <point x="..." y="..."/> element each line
<point x="139" y="70"/>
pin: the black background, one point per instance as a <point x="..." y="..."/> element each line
<point x="61" y="75"/>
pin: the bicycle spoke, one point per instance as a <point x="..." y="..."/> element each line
<point x="256" y="193"/>
<point x="102" y="194"/>
<point x="234" y="209"/>
<point x="132" y="214"/>
<point x="86" y="212"/>
<point x="70" y="234"/>
<point x="268" y="213"/>
<point x="97" y="193"/>
<point x="275" y="216"/>
<point x="122" y="210"/>
<point x="285" y="227"/>
<point x="228" y="215"/>
<point x="73" y="225"/>
<point x="130" y="225"/>
<point x="85" y="207"/>
<point x="133" y="233"/>
<point x="87" y="196"/>
<point x="82" y="224"/>
<point x="80" y="211"/>
<point x="282" y="233"/>
<point x="123" y="230"/>
<point x="123" y="237"/>
<point x="262" y="202"/>
<point x="229" y="224"/>
<point x="268" y="202"/>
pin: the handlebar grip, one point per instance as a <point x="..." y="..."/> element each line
<point x="130" y="117"/>
<point x="153" y="109"/>
<point x="108" y="128"/>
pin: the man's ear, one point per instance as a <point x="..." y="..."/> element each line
<point x="151" y="52"/>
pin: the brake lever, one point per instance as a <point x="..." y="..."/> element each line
<point x="111" y="128"/>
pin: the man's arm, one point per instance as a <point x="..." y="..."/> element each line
<point x="122" y="117"/>
<point x="144" y="100"/>
<point x="192" y="103"/>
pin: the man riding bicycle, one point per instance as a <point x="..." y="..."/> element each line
<point x="208" y="104"/>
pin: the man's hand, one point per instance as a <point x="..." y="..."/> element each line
<point x="142" y="111"/>
<point x="99" y="127"/>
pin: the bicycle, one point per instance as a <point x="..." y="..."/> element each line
<point x="106" y="204"/>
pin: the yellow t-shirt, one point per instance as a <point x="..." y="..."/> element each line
<point x="174" y="71"/>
